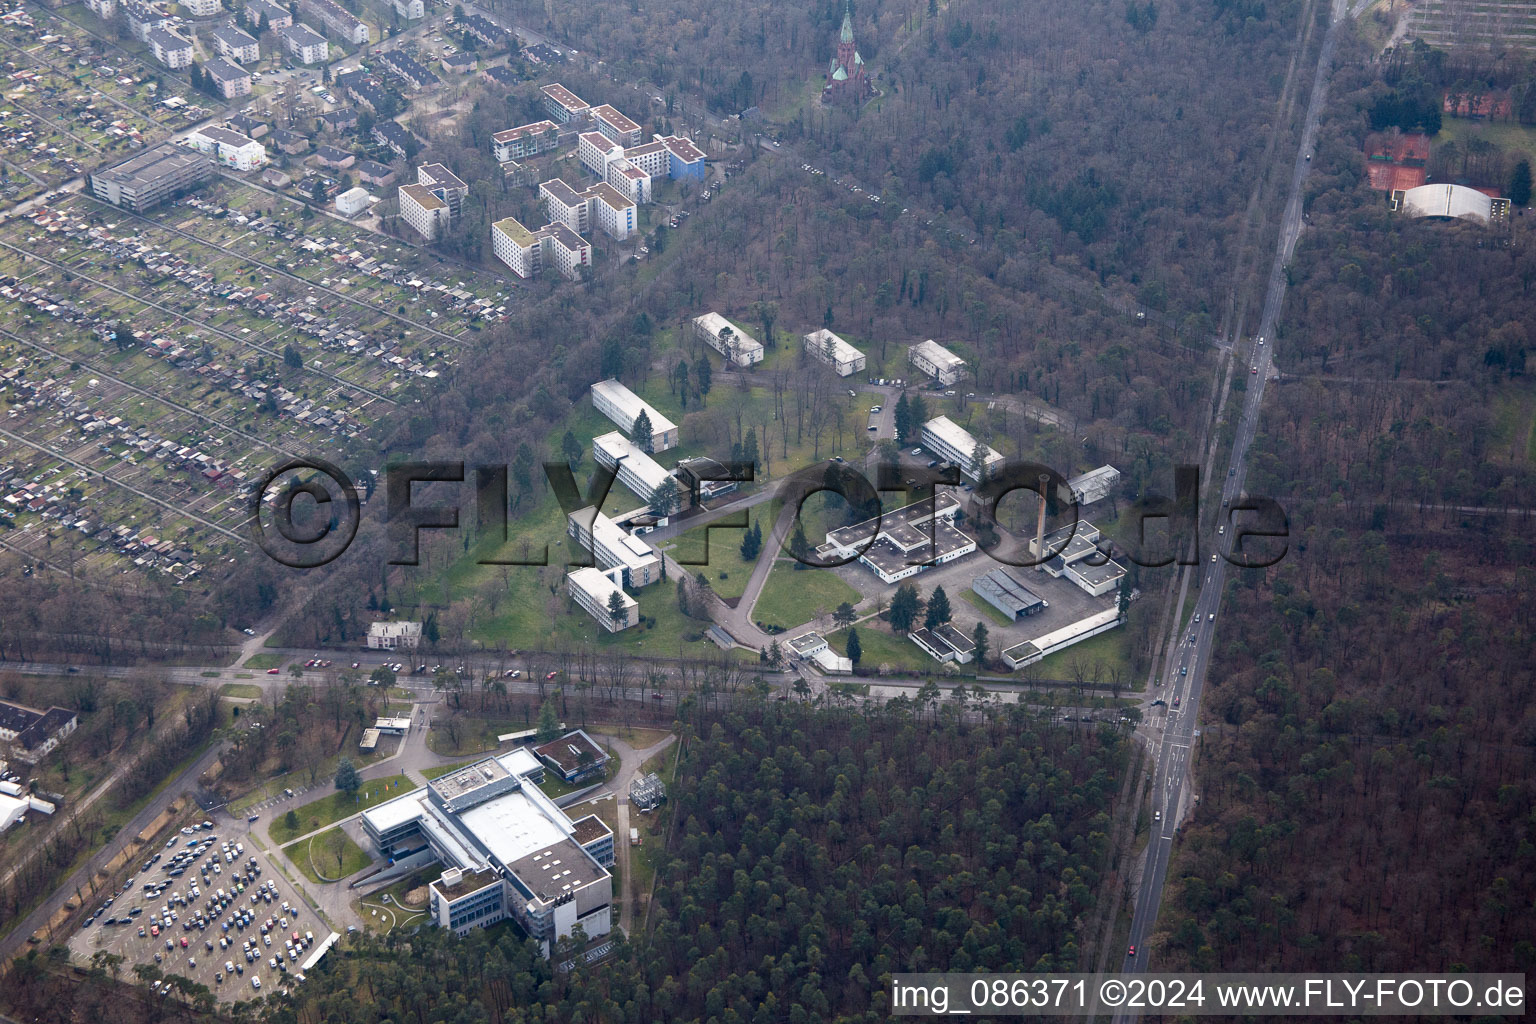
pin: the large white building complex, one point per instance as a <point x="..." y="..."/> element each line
<point x="953" y="443"/>
<point x="507" y="851"/>
<point x="936" y="361"/>
<point x="612" y="548"/>
<point x="601" y="206"/>
<point x="1074" y="544"/>
<point x="593" y="589"/>
<point x="526" y="252"/>
<point x="634" y="468"/>
<point x="735" y="344"/>
<point x="229" y="147"/>
<point x="631" y="168"/>
<point x="834" y="351"/>
<point x="905" y="542"/>
<point x="426" y="213"/>
<point x="624" y="407"/>
<point x="524" y="141"/>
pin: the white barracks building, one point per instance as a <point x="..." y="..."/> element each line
<point x="936" y="361"/>
<point x="835" y="352"/>
<point x="507" y="851"/>
<point x="735" y="344"/>
<point x="953" y="443"/>
<point x="623" y="407"/>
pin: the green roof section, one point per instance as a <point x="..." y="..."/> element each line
<point x="513" y="229"/>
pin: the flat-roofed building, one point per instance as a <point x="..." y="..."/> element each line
<point x="1094" y="485"/>
<point x="394" y="636"/>
<point x="704" y="478"/>
<point x="835" y="352"/>
<point x="337" y="20"/>
<point x="735" y="344"/>
<point x="956" y="445"/>
<point x="444" y="184"/>
<point x="423" y="211"/>
<point x="506" y="849"/>
<point x="616" y="126"/>
<point x="613" y="212"/>
<point x="807" y="645"/>
<point x="516" y="246"/>
<point x="151" y="177"/>
<point x="903" y="542"/>
<point x="103" y="9"/>
<point x="623" y="407"/>
<point x="597" y="151"/>
<point x="936" y="361"/>
<point x="566" y="205"/>
<point x="169" y="48"/>
<point x="685" y="161"/>
<point x="229" y="147"/>
<point x="633" y="468"/>
<point x="564" y="250"/>
<point x="1003" y="591"/>
<point x="304" y="44"/>
<point x="630" y="180"/>
<point x="612" y="548"/>
<point x="525" y="140"/>
<point x="575" y="757"/>
<point x="200" y="8"/>
<point x="594" y="590"/>
<point x="231" y="79"/>
<point x="370" y="740"/>
<point x="563" y="105"/>
<point x="650" y="157"/>
<point x="236" y="45"/>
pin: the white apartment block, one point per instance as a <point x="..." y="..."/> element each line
<point x="394" y="636"/>
<point x="634" y="468"/>
<point x="235" y="45"/>
<point x="612" y="548"/>
<point x="353" y="201"/>
<point x="278" y="16"/>
<point x="444" y="184"/>
<point x="953" y="443"/>
<point x="616" y="126"/>
<point x="516" y="246"/>
<point x="564" y="250"/>
<point x="835" y="352"/>
<point x="231" y="79"/>
<point x="936" y="361"/>
<point x="633" y="183"/>
<point x="200" y="8"/>
<point x="410" y="10"/>
<point x="613" y="212"/>
<point x="593" y="589"/>
<point x="597" y="151"/>
<point x="304" y="44"/>
<point x="103" y="9"/>
<point x="525" y="141"/>
<point x="735" y="344"/>
<point x="563" y="105"/>
<point x="623" y="407"/>
<point x="651" y="157"/>
<point x="337" y="20"/>
<point x="566" y="205"/>
<point x="229" y="148"/>
<point x="169" y="48"/>
<point x="424" y="212"/>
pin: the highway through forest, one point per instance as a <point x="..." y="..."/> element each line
<point x="1188" y="656"/>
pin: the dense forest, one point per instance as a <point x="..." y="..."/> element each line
<point x="810" y="853"/>
<point x="1368" y="745"/>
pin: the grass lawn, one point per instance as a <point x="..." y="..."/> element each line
<point x="726" y="571"/>
<point x="336" y="806"/>
<point x="791" y="598"/>
<point x="984" y="606"/>
<point x="265" y="660"/>
<point x="475" y="735"/>
<point x="305" y="853"/>
<point x="1519" y="138"/>
<point x="240" y="690"/>
<point x="1514" y="409"/>
<point x="884" y="648"/>
<point x="1107" y="652"/>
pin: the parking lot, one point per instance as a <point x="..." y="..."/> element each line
<point x="196" y="908"/>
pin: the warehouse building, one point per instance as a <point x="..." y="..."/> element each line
<point x="1003" y="591"/>
<point x="1031" y="651"/>
<point x="835" y="352"/>
<point x="612" y="548"/>
<point x="954" y="444"/>
<point x="624" y="407"/>
<point x="735" y="344"/>
<point x="593" y="590"/>
<point x="507" y="851"/>
<point x="147" y="179"/>
<point x="936" y="361"/>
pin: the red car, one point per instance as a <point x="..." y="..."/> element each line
<point x="551" y="676"/>
<point x="271" y="671"/>
<point x="183" y="942"/>
<point x="1132" y="953"/>
<point x="658" y="696"/>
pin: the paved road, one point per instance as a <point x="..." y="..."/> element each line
<point x="1188" y="658"/>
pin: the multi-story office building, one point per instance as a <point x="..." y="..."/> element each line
<point x="150" y="177"/>
<point x="834" y="351"/>
<point x="276" y="15"/>
<point x="616" y="126"/>
<point x="426" y="213"/>
<point x="563" y="105"/>
<point x="304" y="44"/>
<point x="904" y="542"/>
<point x="507" y="851"/>
<point x="634" y="468"/>
<point x="231" y="79"/>
<point x="525" y="141"/>
<point x="593" y="589"/>
<point x="735" y="344"/>
<point x="936" y="361"/>
<point x="612" y="548"/>
<point x="953" y="443"/>
<point x="623" y="407"/>
<point x="235" y="45"/>
<point x="336" y="20"/>
<point x="229" y="148"/>
<point x="169" y="48"/>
